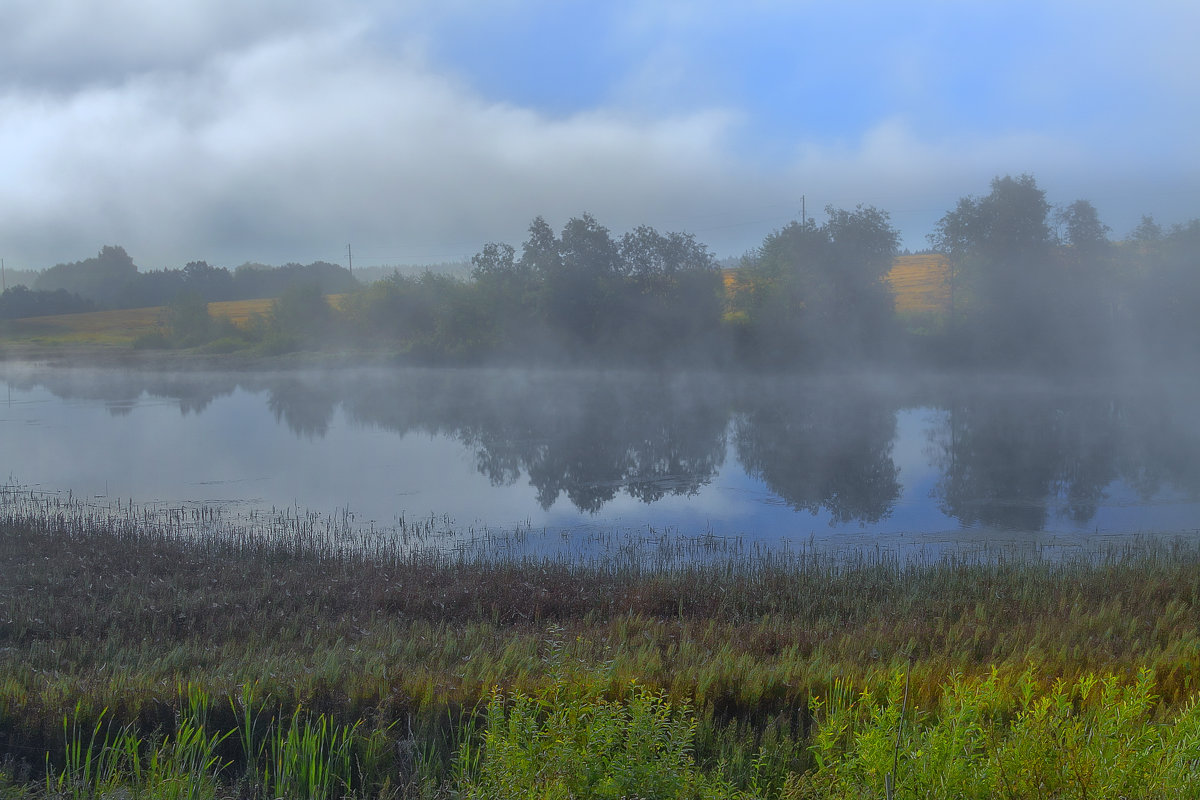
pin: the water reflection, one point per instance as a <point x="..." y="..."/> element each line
<point x="1010" y="457"/>
<point x="585" y="437"/>
<point x="823" y="450"/>
<point x="306" y="407"/>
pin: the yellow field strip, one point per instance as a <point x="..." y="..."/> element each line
<point x="918" y="281"/>
<point x="117" y="327"/>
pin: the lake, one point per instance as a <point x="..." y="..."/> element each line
<point x="770" y="462"/>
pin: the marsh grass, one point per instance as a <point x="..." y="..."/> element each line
<point x="102" y="759"/>
<point x="1094" y="737"/>
<point x="291" y="642"/>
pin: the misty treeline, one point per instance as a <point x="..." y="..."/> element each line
<point x="1028" y="284"/>
<point x="578" y="294"/>
<point x="111" y="280"/>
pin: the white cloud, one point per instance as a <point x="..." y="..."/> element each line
<point x="280" y="131"/>
<point x="63" y="44"/>
<point x="289" y="148"/>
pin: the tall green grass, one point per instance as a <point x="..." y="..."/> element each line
<point x="1096" y="737"/>
<point x="294" y="657"/>
<point x="102" y="759"/>
<point x="298" y="756"/>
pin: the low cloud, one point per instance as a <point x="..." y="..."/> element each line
<point x="291" y="148"/>
<point x="281" y="131"/>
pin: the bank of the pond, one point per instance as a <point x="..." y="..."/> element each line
<point x="122" y="356"/>
<point x="279" y="631"/>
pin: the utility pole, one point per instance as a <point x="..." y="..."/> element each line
<point x="3" y="279"/>
<point x="350" y="258"/>
<point x="803" y="211"/>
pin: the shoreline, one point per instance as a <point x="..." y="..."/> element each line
<point x="110" y="622"/>
<point x="126" y="357"/>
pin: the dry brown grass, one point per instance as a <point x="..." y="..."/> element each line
<point x="120" y="327"/>
<point x="920" y="283"/>
<point x="93" y="327"/>
<point x="240" y="312"/>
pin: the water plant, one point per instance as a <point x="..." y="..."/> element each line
<point x="573" y="742"/>
<point x="292" y="656"/>
<point x="1091" y="738"/>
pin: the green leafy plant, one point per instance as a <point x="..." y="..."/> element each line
<point x="1089" y="739"/>
<point x="310" y="759"/>
<point x="571" y="743"/>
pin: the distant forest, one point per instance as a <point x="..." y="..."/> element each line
<point x="1027" y="284"/>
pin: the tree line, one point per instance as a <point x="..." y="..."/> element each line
<point x="1028" y="285"/>
<point x="111" y="280"/>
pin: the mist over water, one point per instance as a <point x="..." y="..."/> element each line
<point x="835" y="460"/>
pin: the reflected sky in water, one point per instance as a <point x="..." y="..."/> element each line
<point x="845" y="460"/>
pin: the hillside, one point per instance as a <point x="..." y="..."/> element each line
<point x="119" y="327"/>
<point x="920" y="283"/>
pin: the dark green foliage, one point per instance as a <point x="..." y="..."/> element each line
<point x="111" y="280"/>
<point x="1165" y="270"/>
<point x="258" y="280"/>
<point x="431" y="317"/>
<point x="1022" y="295"/>
<point x="302" y="313"/>
<point x="20" y="301"/>
<point x="648" y="297"/>
<point x="101" y="279"/>
<point x="819" y="293"/>
<point x="189" y="325"/>
<point x="188" y="320"/>
<point x="1029" y="286"/>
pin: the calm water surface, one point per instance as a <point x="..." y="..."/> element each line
<point x="835" y="460"/>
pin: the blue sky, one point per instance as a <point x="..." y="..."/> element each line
<point x="281" y="130"/>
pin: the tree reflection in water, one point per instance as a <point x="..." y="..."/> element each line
<point x="824" y="450"/>
<point x="1007" y="456"/>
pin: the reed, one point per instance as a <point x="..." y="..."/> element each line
<point x="299" y="654"/>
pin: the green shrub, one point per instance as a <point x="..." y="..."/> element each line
<point x="572" y="742"/>
<point x="154" y="340"/>
<point x="226" y="344"/>
<point x="1091" y="739"/>
<point x="188" y="319"/>
<point x="277" y="344"/>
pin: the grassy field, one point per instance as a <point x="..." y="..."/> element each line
<point x="920" y="284"/>
<point x="311" y="655"/>
<point x="119" y="327"/>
